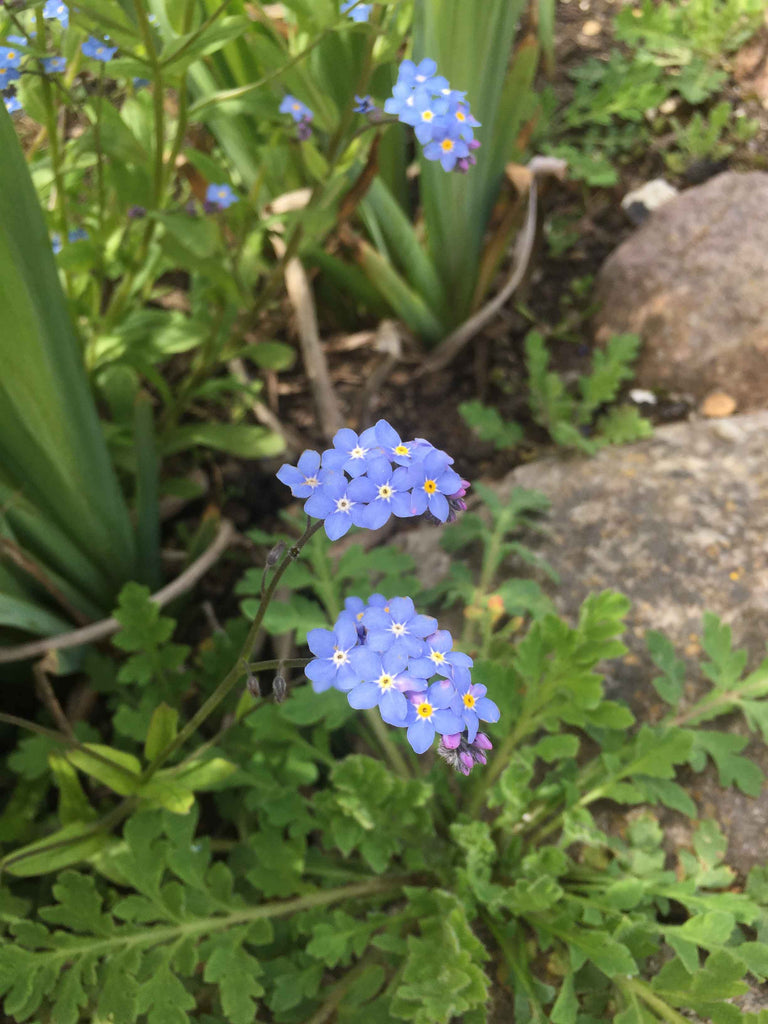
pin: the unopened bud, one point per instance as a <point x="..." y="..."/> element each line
<point x="273" y="557"/>
<point x="253" y="687"/>
<point x="279" y="689"/>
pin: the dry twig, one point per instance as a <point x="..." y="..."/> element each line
<point x="101" y="630"/>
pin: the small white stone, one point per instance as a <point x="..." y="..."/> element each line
<point x="642" y="397"/>
<point x="651" y="195"/>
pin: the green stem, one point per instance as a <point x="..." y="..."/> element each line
<point x="241" y="666"/>
<point x="157" y="97"/>
<point x="335" y="152"/>
<point x="390" y="748"/>
<point x="514" y="953"/>
<point x="649" y="997"/>
<point x="99" y="148"/>
<point x="196" y="35"/>
<point x="49" y="103"/>
<point x="156" y="936"/>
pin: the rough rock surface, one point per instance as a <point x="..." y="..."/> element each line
<point x="679" y="524"/>
<point x="693" y="283"/>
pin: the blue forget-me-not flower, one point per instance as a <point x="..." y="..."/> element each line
<point x="220" y="197"/>
<point x="361" y="12"/>
<point x="56" y="11"/>
<point x="98" y="49"/>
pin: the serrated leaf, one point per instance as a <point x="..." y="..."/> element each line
<point x="725" y="666"/>
<point x="605" y="952"/>
<point x="235" y="971"/>
<point x="553" y="748"/>
<point x="489" y="425"/>
<point x="732" y="769"/>
<point x="670" y="685"/>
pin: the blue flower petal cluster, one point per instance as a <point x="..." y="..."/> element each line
<point x="364" y="479"/>
<point x="98" y="49"/>
<point x="300" y="113"/>
<point x="75" y="235"/>
<point x="220" y="197"/>
<point x="10" y="61"/>
<point x="56" y="11"/>
<point x="361" y="12"/>
<point x="54" y="65"/>
<point x="382" y="653"/>
<point x="439" y="115"/>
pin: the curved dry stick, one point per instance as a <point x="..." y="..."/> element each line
<point x="455" y="342"/>
<point x="101" y="630"/>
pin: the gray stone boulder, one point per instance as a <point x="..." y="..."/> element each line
<point x="679" y="524"/>
<point x="693" y="283"/>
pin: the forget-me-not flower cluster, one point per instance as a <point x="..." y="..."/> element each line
<point x="366" y="478"/>
<point x="383" y="654"/>
<point x="15" y="58"/>
<point x="10" y="71"/>
<point x="439" y="115"/>
<point x="300" y="113"/>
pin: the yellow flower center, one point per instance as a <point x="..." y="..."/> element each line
<point x="430" y="486"/>
<point x="447" y="145"/>
<point x="460" y="116"/>
<point x="427" y="115"/>
<point x="360" y="615"/>
<point x="11" y="54"/>
<point x="402" y="449"/>
<point x="99" y="50"/>
<point x="385" y="491"/>
<point x="296" y="106"/>
<point x="385" y="682"/>
<point x="468" y="700"/>
<point x="424" y="710"/>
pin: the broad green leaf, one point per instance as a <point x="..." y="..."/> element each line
<point x="71" y="844"/>
<point x="240" y="439"/>
<point x="162" y="730"/>
<point x="114" y="768"/>
<point x="52" y="449"/>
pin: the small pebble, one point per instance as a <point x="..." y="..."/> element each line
<point x="717" y="405"/>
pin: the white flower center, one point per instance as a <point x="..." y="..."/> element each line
<point x="398" y="628"/>
<point x="344" y="504"/>
<point x="385" y="492"/>
<point x="340" y="658"/>
<point x="311" y="481"/>
<point x="358" y="452"/>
